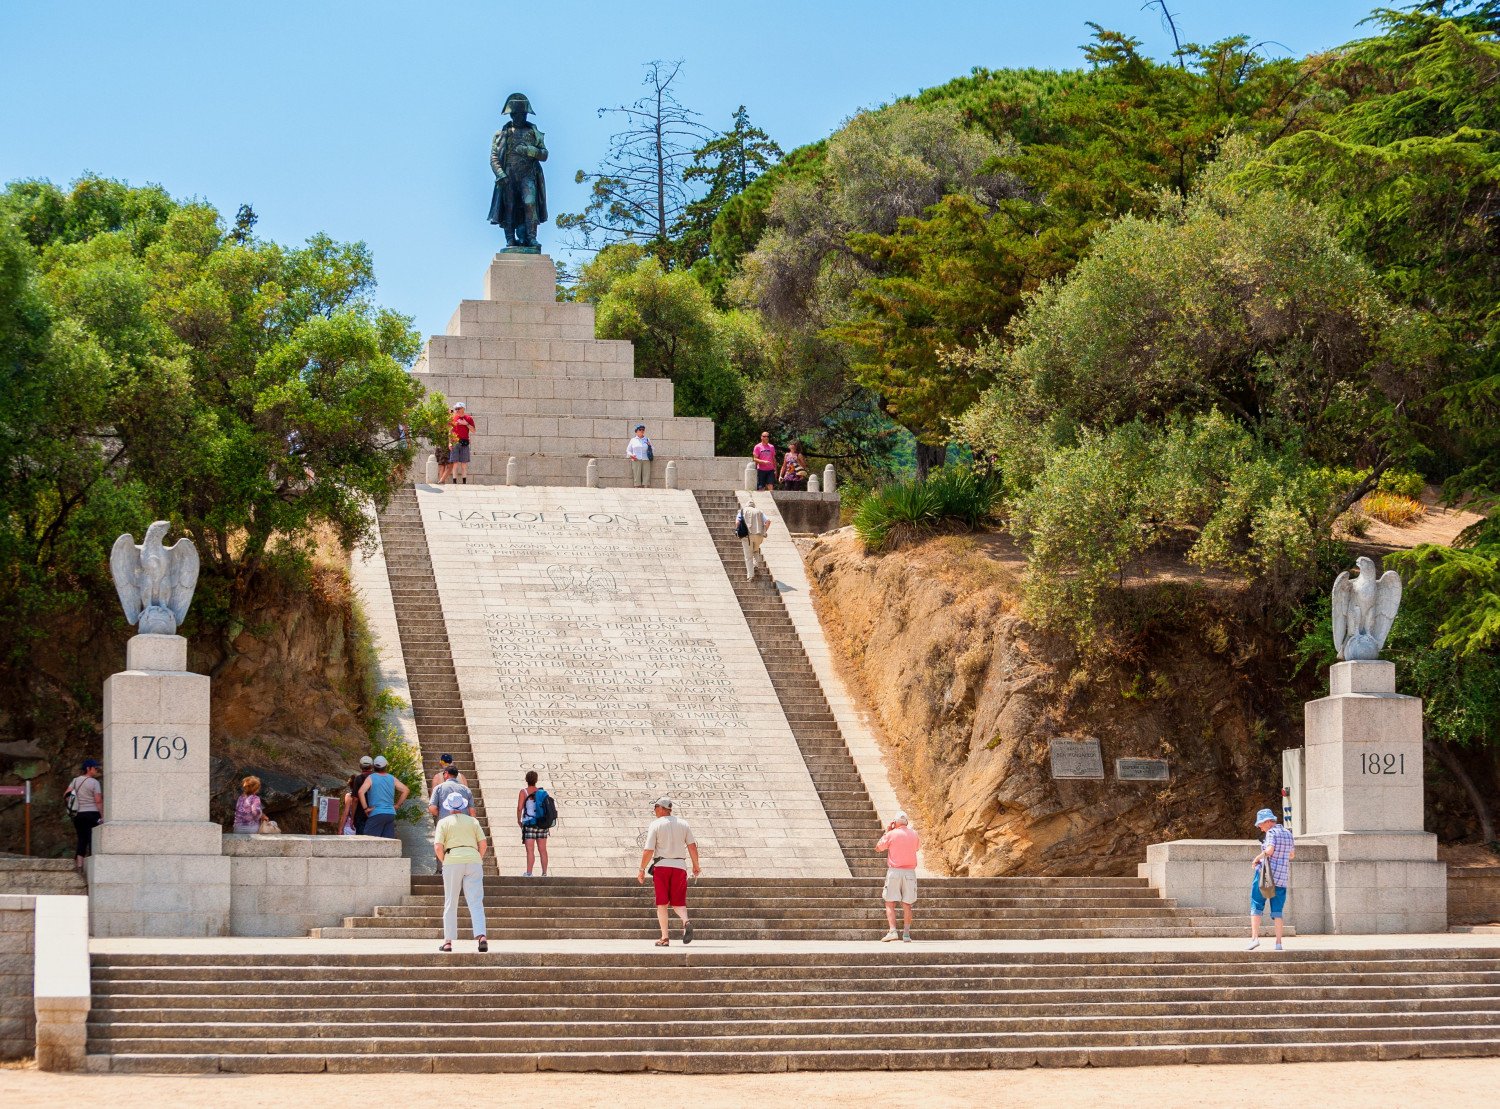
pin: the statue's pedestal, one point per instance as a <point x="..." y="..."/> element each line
<point x="1365" y="865"/>
<point x="1363" y="772"/>
<point x="158" y="868"/>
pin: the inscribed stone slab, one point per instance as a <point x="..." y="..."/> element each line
<point x="1077" y="758"/>
<point x="597" y="640"/>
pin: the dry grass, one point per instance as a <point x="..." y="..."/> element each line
<point x="1393" y="508"/>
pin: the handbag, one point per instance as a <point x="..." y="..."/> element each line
<point x="269" y="827"/>
<point x="652" y="868"/>
<point x="1267" y="883"/>
<point x="650" y="454"/>
<point x="739" y="527"/>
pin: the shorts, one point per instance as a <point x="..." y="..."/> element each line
<point x="765" y="478"/>
<point x="381" y="824"/>
<point x="459" y="451"/>
<point x="900" y="885"/>
<point x="534" y="833"/>
<point x="671" y="885"/>
<point x="1258" y="901"/>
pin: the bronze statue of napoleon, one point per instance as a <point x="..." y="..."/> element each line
<point x="519" y="202"/>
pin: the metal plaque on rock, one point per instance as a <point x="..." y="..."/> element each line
<point x="1077" y="758"/>
<point x="1142" y="770"/>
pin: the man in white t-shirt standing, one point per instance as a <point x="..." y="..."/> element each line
<point x="751" y="525"/>
<point x="639" y="451"/>
<point x="669" y="846"/>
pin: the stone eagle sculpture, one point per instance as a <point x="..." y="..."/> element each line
<point x="1364" y="608"/>
<point x="155" y="583"/>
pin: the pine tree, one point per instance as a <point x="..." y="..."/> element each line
<point x="728" y="163"/>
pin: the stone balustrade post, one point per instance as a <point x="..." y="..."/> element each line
<point x="512" y="471"/>
<point x="670" y="480"/>
<point x="829" y="485"/>
<point x="591" y="474"/>
<point x="750" y="477"/>
<point x="812" y="484"/>
<point x="60" y="982"/>
<point x="431" y="471"/>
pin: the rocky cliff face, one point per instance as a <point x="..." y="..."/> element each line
<point x="967" y="696"/>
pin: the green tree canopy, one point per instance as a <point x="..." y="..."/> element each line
<point x="247" y="392"/>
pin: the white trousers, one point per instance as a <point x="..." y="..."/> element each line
<point x="470" y="878"/>
<point x="750" y="544"/>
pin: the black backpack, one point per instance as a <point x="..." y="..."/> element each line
<point x="545" y="809"/>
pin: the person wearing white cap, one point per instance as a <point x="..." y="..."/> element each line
<point x="381" y="795"/>
<point x="669" y="846"/>
<point x="1275" y="858"/>
<point x="459" y="844"/>
<point x="900" y="844"/>
<point x="462" y="426"/>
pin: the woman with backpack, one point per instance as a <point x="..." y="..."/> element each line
<point x="531" y="817"/>
<point x="85" y="801"/>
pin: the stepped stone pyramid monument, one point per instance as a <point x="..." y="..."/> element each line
<point x="543" y="390"/>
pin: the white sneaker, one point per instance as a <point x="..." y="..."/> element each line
<point x="1253" y="945"/>
<point x="889" y="936"/>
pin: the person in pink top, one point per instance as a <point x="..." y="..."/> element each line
<point x="765" y="462"/>
<point x="900" y="844"/>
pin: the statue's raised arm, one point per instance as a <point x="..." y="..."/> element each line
<point x="155" y="583"/>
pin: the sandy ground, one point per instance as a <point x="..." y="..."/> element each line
<point x="1441" y="1083"/>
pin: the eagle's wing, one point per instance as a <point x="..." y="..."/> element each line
<point x="1343" y="608"/>
<point x="561" y="578"/>
<point x="125" y="568"/>
<point x="182" y="576"/>
<point x="1387" y="601"/>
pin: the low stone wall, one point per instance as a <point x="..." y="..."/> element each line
<point x="807" y="513"/>
<point x="1214" y="874"/>
<point x="1473" y="895"/>
<point x="287" y="885"/>
<point x="17" y="944"/>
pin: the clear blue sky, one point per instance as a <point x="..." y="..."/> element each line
<point x="371" y="120"/>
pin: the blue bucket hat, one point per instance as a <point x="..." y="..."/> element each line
<point x="1263" y="816"/>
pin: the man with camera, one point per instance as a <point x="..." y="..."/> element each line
<point x="900" y="844"/>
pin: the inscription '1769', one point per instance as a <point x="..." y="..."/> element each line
<point x="158" y="747"/>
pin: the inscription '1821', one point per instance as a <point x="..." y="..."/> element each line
<point x="1373" y="762"/>
<point x="158" y="747"/>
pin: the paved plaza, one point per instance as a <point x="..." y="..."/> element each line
<point x="1423" y="1084"/>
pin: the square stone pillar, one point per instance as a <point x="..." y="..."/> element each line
<point x="157" y="869"/>
<point x="1363" y="784"/>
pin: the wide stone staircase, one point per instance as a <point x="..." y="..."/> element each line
<point x="833" y="771"/>
<point x="801" y="909"/>
<point x="694" y="1011"/>
<point x="439" y="711"/>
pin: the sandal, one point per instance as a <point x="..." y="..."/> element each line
<point x="663" y="943"/>
<point x="446" y="947"/>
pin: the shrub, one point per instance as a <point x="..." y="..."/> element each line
<point x="1403" y="483"/>
<point x="951" y="498"/>
<point x="1395" y="509"/>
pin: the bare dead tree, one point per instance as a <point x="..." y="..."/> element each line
<point x="1171" y="23"/>
<point x="639" y="191"/>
